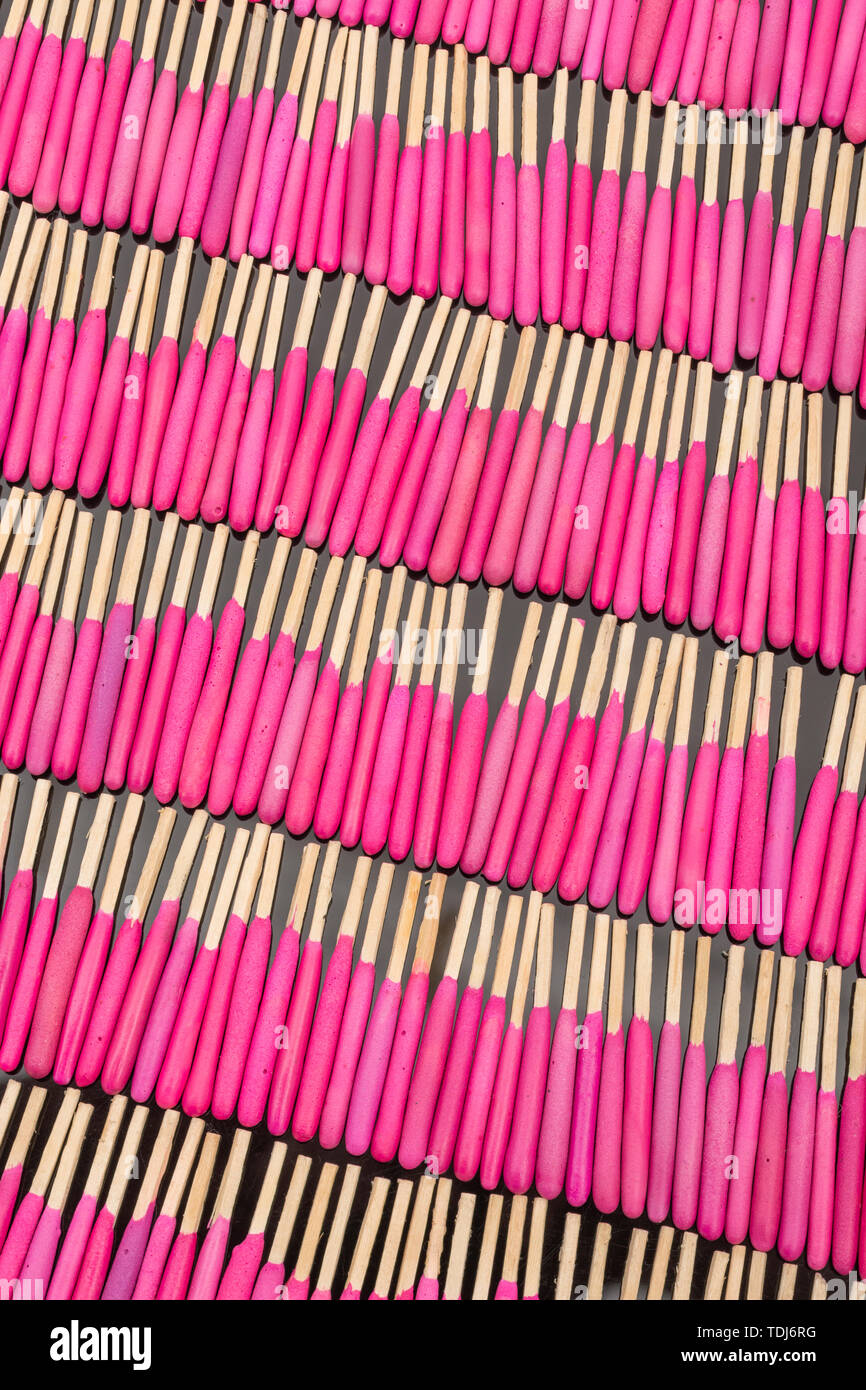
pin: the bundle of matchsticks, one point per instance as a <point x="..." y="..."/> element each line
<point x="558" y="493"/>
<point x="564" y="792"/>
<point x="307" y="180"/>
<point x="441" y="1069"/>
<point x="427" y="474"/>
<point x="71" y="1228"/>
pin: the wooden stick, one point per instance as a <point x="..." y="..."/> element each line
<point x="490" y="1236"/>
<point x="393" y="1238"/>
<point x="369" y="1230"/>
<point x="289" y="1213"/>
<point x="567" y="1258"/>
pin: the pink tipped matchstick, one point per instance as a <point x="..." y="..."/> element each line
<point x="134" y="683"/>
<point x="178" y="412"/>
<point x="107" y="120"/>
<point x="786" y="532"/>
<point x="251" y="173"/>
<point x="698" y="816"/>
<point x="94" y="951"/>
<point x="207" y="721"/>
<point x="607" y="862"/>
<point x="129" y="984"/>
<point x="711" y="538"/>
<point x="83" y="378"/>
<point x="837" y="547"/>
<point x="268" y="767"/>
<point x="485" y="503"/>
<point x="476" y="283"/>
<point x="274" y="1003"/>
<point x="69" y="690"/>
<point x="360" y="171"/>
<point x="661" y="524"/>
<point x="38" y="101"/>
<point x="132" y="126"/>
<point x="160" y="117"/>
<point x="392" y="740"/>
<point x="162" y="1232"/>
<point x="38" y="642"/>
<point x="98" y="717"/>
<point x="814" y="830"/>
<point x="324" y="152"/>
<point x="103" y="424"/>
<point x="363" y="757"/>
<point x="579" y="1165"/>
<point x="373" y="1058"/>
<point x="431" y="786"/>
<point x="347" y="720"/>
<point x="554" y="207"/>
<point x="826" y="922"/>
<point x="385" y="1138"/>
<point x="181" y="143"/>
<point x="731" y="254"/>
<point x="503" y="230"/>
<point x="464" y="766"/>
<point x="313" y="752"/>
<point x="805" y="272"/>
<point x="751" y="824"/>
<point x="178" y="1261"/>
<point x="186" y="657"/>
<point x="202" y="483"/>
<point x="154" y="700"/>
<point x="779" y="837"/>
<point x="280" y="139"/>
<point x="845" y="55"/>
<point x="721" y="1112"/>
<point x="823" y="320"/>
<point x="242" y="774"/>
<point x="23" y="65"/>
<point x="580" y="203"/>
<point x="813" y="540"/>
<point x="224" y="190"/>
<point x="766" y="1204"/>
<point x="823" y="1156"/>
<point x="666" y="1090"/>
<point x="629" y="247"/>
<point x="794" y="1218"/>
<point x="302" y="467"/>
<point x="643" y="828"/>
<point x="404" y="781"/>
<point x="851" y="325"/>
<point x="569" y="782"/>
<point x="852" y="1142"/>
<point x="692" y="1104"/>
<point x="741" y="519"/>
<point x="505" y="1074"/>
<point x="819" y="57"/>
<point x="172" y="1033"/>
<point x="199" y="1084"/>
<point x="757" y="255"/>
<point x="637" y="1104"/>
<point x="595" y="777"/>
<point x="65" y="951"/>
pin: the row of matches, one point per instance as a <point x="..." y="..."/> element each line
<point x="264" y="192"/>
<point x="195" y="1016"/>
<point x="456" y="488"/>
<point x="579" y="799"/>
<point x="415" y="216"/>
<point x="331" y="1234"/>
